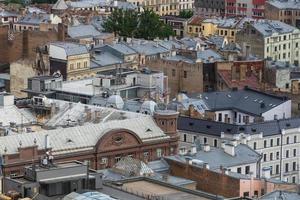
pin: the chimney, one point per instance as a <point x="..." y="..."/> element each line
<point x="266" y="172"/>
<point x="88" y="113"/>
<point x="47" y="142"/>
<point x="233" y="73"/>
<point x="193" y="149"/>
<point x="25" y="50"/>
<point x="243" y="69"/>
<point x="229" y="149"/>
<point x="234" y="143"/>
<point x="205" y="166"/>
<point x="206" y="148"/>
<point x="97" y="116"/>
<point x="61" y="32"/>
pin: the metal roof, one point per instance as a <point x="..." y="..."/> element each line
<point x="267" y="128"/>
<point x="246" y="100"/>
<point x="80" y="138"/>
<point x="71" y="48"/>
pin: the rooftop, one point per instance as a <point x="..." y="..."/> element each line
<point x="217" y="157"/>
<point x="269" y="27"/>
<point x="285" y="4"/>
<point x="71" y="48"/>
<point x="83" y="31"/>
<point x="35" y="19"/>
<point x="247" y="100"/>
<point x="60" y="5"/>
<point x="281" y="195"/>
<point x="267" y="128"/>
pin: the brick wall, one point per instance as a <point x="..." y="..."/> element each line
<point x="207" y="181"/>
<point x="180" y="75"/>
<point x="23" y="43"/>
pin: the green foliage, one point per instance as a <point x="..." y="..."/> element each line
<point x="13" y="2"/>
<point x="133" y="24"/>
<point x="186" y="14"/>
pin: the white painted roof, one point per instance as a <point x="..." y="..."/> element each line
<point x="13" y="114"/>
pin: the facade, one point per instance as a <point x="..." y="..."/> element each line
<point x="282" y="76"/>
<point x="270" y="39"/>
<point x="70" y="59"/>
<point x="194" y="25"/>
<point x="7" y="17"/>
<point x="277" y="141"/>
<point x="243" y="106"/>
<point x="179" y="25"/>
<point x="34" y="21"/>
<point x="237" y="8"/>
<point x="165" y="7"/>
<point x="284" y="11"/>
<point x="210" y="8"/>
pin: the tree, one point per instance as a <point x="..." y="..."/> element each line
<point x="186" y="14"/>
<point x="134" y="24"/>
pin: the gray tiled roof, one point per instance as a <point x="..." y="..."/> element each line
<point x="205" y="56"/>
<point x="281" y="195"/>
<point x="247" y="100"/>
<point x="269" y="27"/>
<point x="72" y="48"/>
<point x="216" y="157"/>
<point x="216" y="128"/>
<point x="82" y="31"/>
<point x="4" y="13"/>
<point x="34" y="19"/>
<point x="285" y="4"/>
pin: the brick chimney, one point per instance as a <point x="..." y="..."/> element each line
<point x="61" y="32"/>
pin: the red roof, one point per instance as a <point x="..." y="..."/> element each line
<point x="196" y="20"/>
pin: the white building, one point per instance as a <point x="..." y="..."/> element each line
<point x="277" y="141"/>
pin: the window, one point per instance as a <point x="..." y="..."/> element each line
<point x="247" y="169"/>
<point x="71" y="66"/>
<point x="265" y="143"/>
<point x="78" y="65"/>
<point x="295" y="139"/>
<point x="277" y="169"/>
<point x="184" y="137"/>
<point x="239" y="170"/>
<point x="85" y="64"/>
<point x="158" y="152"/>
<point x="286" y="167"/>
<point x="287" y="140"/>
<point x="294" y="179"/>
<point x="271" y="142"/>
<point x="246" y="194"/>
<point x="173" y="72"/>
<point x="254" y="145"/>
<point x="295" y="152"/>
<point x="184" y="74"/>
<point x="277" y="155"/>
<point x="265" y="157"/>
<point x="205" y="140"/>
<point x="104" y="160"/>
<point x="294" y="166"/>
<point x="271" y="156"/>
<point x="278" y="141"/>
<point x="117" y="159"/>
<point x="195" y="138"/>
<point x="287" y="153"/>
<point x="215" y="142"/>
<point x="146" y="154"/>
<point x="220" y="117"/>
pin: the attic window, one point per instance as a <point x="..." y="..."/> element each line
<point x="148" y="130"/>
<point x="69" y="140"/>
<point x="241" y="128"/>
<point x="208" y="126"/>
<point x="253" y="130"/>
<point x="288" y="124"/>
<point x="228" y="130"/>
<point x="191" y="124"/>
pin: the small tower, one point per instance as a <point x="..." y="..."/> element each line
<point x="167" y="121"/>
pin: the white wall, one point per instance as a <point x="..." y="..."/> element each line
<point x="57" y="52"/>
<point x="282" y="110"/>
